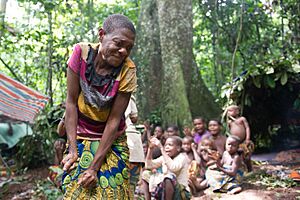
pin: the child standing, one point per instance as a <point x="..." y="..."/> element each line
<point x="173" y="183"/>
<point x="239" y="127"/>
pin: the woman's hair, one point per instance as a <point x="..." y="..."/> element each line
<point x="117" y="21"/>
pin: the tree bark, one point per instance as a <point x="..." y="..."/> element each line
<point x="147" y="55"/>
<point x="169" y="79"/>
<point x="172" y="24"/>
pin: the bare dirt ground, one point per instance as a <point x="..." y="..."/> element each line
<point x="258" y="186"/>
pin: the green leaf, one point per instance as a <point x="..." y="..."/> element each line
<point x="257" y="81"/>
<point x="284" y="78"/>
<point x="270" y="70"/>
<point x="270" y="82"/>
<point x="296" y="68"/>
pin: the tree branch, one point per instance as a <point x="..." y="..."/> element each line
<point x="12" y="71"/>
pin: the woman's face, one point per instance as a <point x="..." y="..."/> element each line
<point x="171" y="148"/>
<point x="214" y="127"/>
<point x="116" y="46"/>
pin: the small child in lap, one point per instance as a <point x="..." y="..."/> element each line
<point x="173" y="183"/>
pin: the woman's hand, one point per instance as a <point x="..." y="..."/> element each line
<point x="88" y="178"/>
<point x="69" y="162"/>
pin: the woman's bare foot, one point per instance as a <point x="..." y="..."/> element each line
<point x="235" y="190"/>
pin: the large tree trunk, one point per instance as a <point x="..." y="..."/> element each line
<point x="169" y="79"/>
<point x="147" y="55"/>
<point x="174" y="95"/>
<point x="200" y="99"/>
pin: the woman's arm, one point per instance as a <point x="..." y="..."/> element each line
<point x="111" y="128"/>
<point x="89" y="177"/>
<point x="71" y="118"/>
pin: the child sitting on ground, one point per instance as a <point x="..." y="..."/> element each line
<point x="226" y="174"/>
<point x="187" y="143"/>
<point x="173" y="182"/>
<point x="239" y="127"/>
<point x="208" y="156"/>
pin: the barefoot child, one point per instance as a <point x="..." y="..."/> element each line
<point x="226" y="175"/>
<point x="238" y="126"/>
<point x="173" y="182"/>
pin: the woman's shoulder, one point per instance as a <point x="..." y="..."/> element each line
<point x="129" y="63"/>
<point x="85" y="47"/>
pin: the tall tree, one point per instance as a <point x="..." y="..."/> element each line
<point x="167" y="39"/>
<point x="147" y="55"/>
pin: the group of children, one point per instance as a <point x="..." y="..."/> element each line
<point x="179" y="168"/>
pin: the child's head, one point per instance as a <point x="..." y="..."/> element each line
<point x="233" y="110"/>
<point x="145" y="148"/>
<point x="173" y="146"/>
<point x="158" y="131"/>
<point x="173" y="130"/>
<point x="187" y="144"/>
<point x="232" y="144"/>
<point x="214" y="127"/>
<point x="205" y="146"/>
<point x="199" y="124"/>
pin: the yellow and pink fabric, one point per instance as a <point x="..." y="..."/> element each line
<point x="94" y="105"/>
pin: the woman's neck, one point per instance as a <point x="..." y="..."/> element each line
<point x="101" y="66"/>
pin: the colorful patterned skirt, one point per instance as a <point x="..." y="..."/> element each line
<point x="113" y="176"/>
<point x="219" y="181"/>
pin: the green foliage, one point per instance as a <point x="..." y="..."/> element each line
<point x="155" y="117"/>
<point x="269" y="31"/>
<point x="37" y="149"/>
<point x="268" y="74"/>
<point x="45" y="189"/>
<point x="262" y="178"/>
